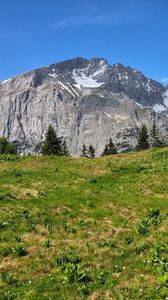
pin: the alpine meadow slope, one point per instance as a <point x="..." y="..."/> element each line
<point x="86" y="101"/>
<point x="78" y="228"/>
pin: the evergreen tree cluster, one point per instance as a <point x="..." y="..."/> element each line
<point x="54" y="145"/>
<point x="89" y="153"/>
<point x="109" y="149"/>
<point x="148" y="140"/>
<point x="145" y="140"/>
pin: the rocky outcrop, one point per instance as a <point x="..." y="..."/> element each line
<point x="86" y="101"/>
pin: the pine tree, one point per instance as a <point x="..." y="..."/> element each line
<point x="143" y="138"/>
<point x="3" y="145"/>
<point x="156" y="141"/>
<point x="84" y="151"/>
<point x="7" y="147"/>
<point x="65" y="150"/>
<point x="52" y="144"/>
<point x="106" y="150"/>
<point x="109" y="148"/>
<point x="91" y="151"/>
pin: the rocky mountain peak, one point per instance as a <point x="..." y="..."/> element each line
<point x="86" y="101"/>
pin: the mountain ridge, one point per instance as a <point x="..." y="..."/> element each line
<point x="86" y="101"/>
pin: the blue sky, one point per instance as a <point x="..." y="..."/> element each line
<point x="35" y="33"/>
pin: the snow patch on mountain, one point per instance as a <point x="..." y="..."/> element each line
<point x="73" y="89"/>
<point x="166" y="99"/>
<point x="149" y="88"/>
<point x="158" y="108"/>
<point x="4" y="81"/>
<point x="53" y="75"/>
<point x="108" y="115"/>
<point x="162" y="107"/>
<point x="66" y="88"/>
<point x="140" y="105"/>
<point x="103" y="62"/>
<point x="84" y="81"/>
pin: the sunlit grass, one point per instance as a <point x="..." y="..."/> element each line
<point x="60" y="208"/>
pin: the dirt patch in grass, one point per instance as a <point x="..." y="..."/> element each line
<point x="20" y="192"/>
<point x="162" y="196"/>
<point x="121" y="211"/>
<point x="32" y="250"/>
<point x="96" y="171"/>
<point x="8" y="263"/>
<point x="128" y="283"/>
<point x="104" y="295"/>
<point x="41" y="229"/>
<point x="32" y="236"/>
<point x="61" y="209"/>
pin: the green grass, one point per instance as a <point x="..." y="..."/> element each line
<point x="75" y="228"/>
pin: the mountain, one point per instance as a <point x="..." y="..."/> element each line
<point x="86" y="101"/>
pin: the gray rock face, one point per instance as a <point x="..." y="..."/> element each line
<point x="86" y="101"/>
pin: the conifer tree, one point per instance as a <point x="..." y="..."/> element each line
<point x="52" y="144"/>
<point x="106" y="150"/>
<point x="91" y="151"/>
<point x="143" y="138"/>
<point x="7" y="147"/>
<point x="65" y="150"/>
<point x="84" y="151"/>
<point x="109" y="148"/>
<point x="156" y="141"/>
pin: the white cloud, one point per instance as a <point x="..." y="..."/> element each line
<point x="132" y="12"/>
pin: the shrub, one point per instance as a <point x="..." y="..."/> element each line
<point x="19" y="251"/>
<point x="70" y="257"/>
<point x="49" y="226"/>
<point x="90" y="204"/>
<point x="18" y="238"/>
<point x="142" y="228"/>
<point x="140" y="248"/>
<point x="73" y="273"/>
<point x="128" y="239"/>
<point x="153" y="218"/>
<point x="48" y="243"/>
<point x="6" y="197"/>
<point x="7" y="278"/>
<point x="164" y="280"/>
<point x="107" y="243"/>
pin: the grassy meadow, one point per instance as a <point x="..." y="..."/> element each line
<point x="76" y="228"/>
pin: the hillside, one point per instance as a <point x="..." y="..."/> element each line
<point x="86" y="102"/>
<point x="75" y="228"/>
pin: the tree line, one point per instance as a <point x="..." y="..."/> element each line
<point x="145" y="139"/>
<point x="53" y="145"/>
